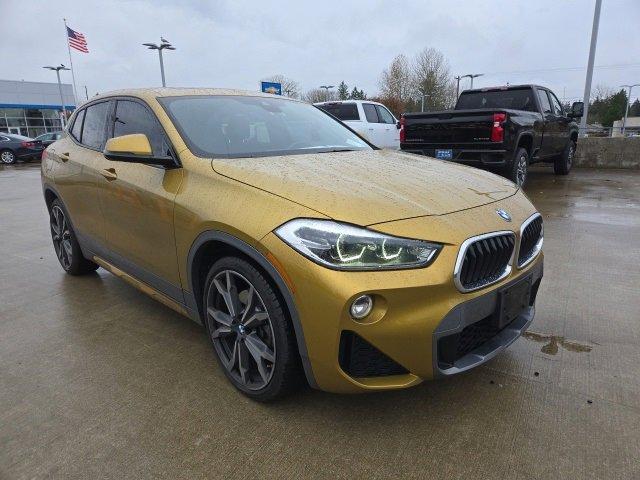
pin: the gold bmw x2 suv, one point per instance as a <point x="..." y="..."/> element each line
<point x="306" y="252"/>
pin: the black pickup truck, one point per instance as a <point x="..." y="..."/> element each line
<point x="503" y="129"/>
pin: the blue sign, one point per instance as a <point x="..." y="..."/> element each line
<point x="271" y="87"/>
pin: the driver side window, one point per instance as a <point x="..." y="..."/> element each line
<point x="132" y="117"/>
<point x="544" y="101"/>
<point x="555" y="103"/>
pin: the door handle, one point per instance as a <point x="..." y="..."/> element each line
<point x="109" y="174"/>
<point x="64" y="156"/>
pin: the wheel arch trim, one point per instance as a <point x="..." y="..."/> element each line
<point x="250" y="251"/>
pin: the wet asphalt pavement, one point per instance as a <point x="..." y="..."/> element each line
<point x="99" y="381"/>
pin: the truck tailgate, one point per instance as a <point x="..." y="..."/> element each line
<point x="451" y="127"/>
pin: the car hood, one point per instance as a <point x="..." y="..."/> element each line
<point x="369" y="187"/>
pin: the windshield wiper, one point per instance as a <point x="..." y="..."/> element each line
<point x="331" y="150"/>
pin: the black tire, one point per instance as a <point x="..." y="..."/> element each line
<point x="276" y="332"/>
<point x="8" y="157"/>
<point x="562" y="164"/>
<point x="65" y="242"/>
<point x="519" y="170"/>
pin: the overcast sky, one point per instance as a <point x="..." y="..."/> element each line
<point x="238" y="42"/>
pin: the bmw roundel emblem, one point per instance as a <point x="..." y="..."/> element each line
<point x="504" y="215"/>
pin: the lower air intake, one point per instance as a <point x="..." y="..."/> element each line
<point x="358" y="358"/>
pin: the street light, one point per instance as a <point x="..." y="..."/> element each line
<point x="327" y="88"/>
<point x="164" y="44"/>
<point x="472" y="76"/>
<point x="57" y="70"/>
<point x="626" y="110"/>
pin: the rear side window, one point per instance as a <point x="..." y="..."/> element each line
<point x="76" y="130"/>
<point x="384" y="115"/>
<point x="515" y="98"/>
<point x="132" y="117"/>
<point x="343" y="111"/>
<point x="544" y="101"/>
<point x="370" y="112"/>
<point x="95" y="123"/>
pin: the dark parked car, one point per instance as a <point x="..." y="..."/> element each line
<point x="502" y="129"/>
<point x="14" y="147"/>
<point x="48" y="138"/>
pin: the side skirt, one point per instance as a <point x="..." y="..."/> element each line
<point x="143" y="287"/>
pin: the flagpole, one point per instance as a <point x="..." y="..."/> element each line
<point x="73" y="75"/>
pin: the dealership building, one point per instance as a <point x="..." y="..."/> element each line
<point x="33" y="108"/>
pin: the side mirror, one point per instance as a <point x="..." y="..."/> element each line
<point x="398" y="126"/>
<point x="134" y="148"/>
<point x="577" y="110"/>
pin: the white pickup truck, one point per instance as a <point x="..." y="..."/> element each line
<point x="372" y="120"/>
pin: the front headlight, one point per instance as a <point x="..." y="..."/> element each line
<point x="346" y="247"/>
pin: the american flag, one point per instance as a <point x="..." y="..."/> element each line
<point x="77" y="41"/>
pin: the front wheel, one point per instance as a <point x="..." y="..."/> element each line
<point x="520" y="168"/>
<point x="251" y="335"/>
<point x="562" y="164"/>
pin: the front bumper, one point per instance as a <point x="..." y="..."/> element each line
<point x="413" y="309"/>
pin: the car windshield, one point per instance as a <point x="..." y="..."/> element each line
<point x="515" y="98"/>
<point x="244" y="126"/>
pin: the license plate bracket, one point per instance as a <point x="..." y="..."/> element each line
<point x="512" y="300"/>
<point x="444" y="153"/>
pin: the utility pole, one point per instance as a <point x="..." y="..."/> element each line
<point x="57" y="70"/>
<point x="164" y="44"/>
<point x="592" y="56"/>
<point x="626" y="110"/>
<point x="326" y="89"/>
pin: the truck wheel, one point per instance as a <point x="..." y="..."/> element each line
<point x="520" y="167"/>
<point x="563" y="163"/>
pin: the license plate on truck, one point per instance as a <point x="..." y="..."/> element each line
<point x="444" y="154"/>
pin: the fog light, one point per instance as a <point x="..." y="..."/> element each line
<point x="361" y="307"/>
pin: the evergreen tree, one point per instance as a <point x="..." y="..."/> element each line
<point x="343" y="91"/>
<point x="357" y="94"/>
<point x="634" y="109"/>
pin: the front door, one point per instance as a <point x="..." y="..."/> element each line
<point x="375" y="129"/>
<point x="79" y="156"/>
<point x="137" y="203"/>
<point x="390" y="132"/>
<point x="560" y="124"/>
<point x="548" y="127"/>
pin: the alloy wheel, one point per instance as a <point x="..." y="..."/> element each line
<point x="7" y="157"/>
<point x="61" y="236"/>
<point x="241" y="330"/>
<point x="521" y="170"/>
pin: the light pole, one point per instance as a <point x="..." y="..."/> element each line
<point x="592" y="56"/>
<point x="57" y="70"/>
<point x="626" y="110"/>
<point x="327" y="88"/>
<point x="164" y="44"/>
<point x="457" y="86"/>
<point x="423" y="95"/>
